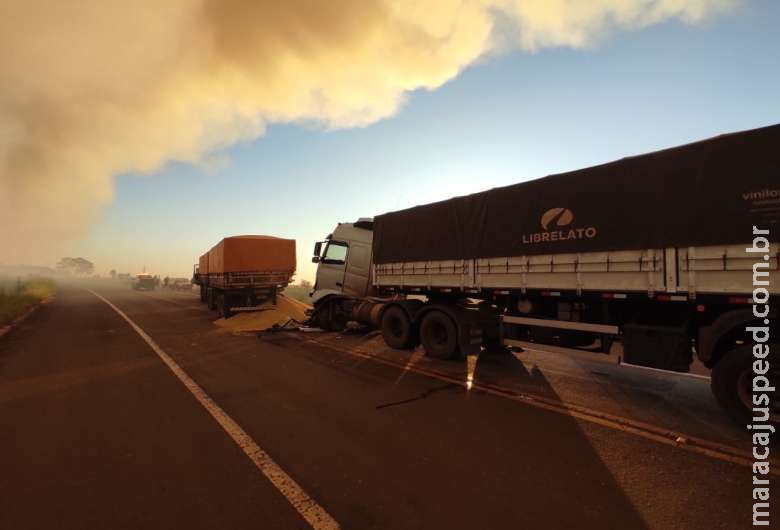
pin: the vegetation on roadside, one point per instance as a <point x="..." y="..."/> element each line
<point x="299" y="292"/>
<point x="17" y="295"/>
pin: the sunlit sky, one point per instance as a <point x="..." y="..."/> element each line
<point x="508" y="118"/>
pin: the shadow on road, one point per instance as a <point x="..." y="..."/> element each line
<point x="558" y="458"/>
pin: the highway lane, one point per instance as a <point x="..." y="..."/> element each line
<point x="97" y="434"/>
<point x="376" y="450"/>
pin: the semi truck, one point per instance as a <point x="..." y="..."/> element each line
<point x="661" y="252"/>
<point x="241" y="272"/>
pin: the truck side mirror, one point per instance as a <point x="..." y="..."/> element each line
<point x="317" y="249"/>
<point x="315" y="259"/>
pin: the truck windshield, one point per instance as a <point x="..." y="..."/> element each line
<point x="336" y="253"/>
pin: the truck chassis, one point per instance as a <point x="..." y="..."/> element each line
<point x="229" y="292"/>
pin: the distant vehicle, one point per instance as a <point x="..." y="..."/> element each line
<point x="241" y="272"/>
<point x="144" y="282"/>
<point x="656" y="251"/>
<point x="179" y="284"/>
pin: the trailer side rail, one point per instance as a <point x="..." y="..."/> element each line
<point x="689" y="271"/>
<point x="235" y="280"/>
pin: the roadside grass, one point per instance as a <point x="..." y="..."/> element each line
<point x="19" y="295"/>
<point x="298" y="292"/>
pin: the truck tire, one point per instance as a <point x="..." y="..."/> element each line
<point x="223" y="307"/>
<point x="439" y="335"/>
<point x="732" y="378"/>
<point x="202" y="294"/>
<point x="211" y="296"/>
<point x="330" y="318"/>
<point x="397" y="329"/>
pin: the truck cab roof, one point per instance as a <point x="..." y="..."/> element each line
<point x="352" y="232"/>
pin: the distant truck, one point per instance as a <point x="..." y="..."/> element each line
<point x="649" y="250"/>
<point x="241" y="272"/>
<point x="144" y="282"/>
<point x="179" y="284"/>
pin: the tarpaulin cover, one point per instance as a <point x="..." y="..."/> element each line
<point x="706" y="193"/>
<point x="252" y="254"/>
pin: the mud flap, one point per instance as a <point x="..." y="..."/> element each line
<point x="470" y="333"/>
<point x="662" y="347"/>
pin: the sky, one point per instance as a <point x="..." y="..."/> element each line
<point x="541" y="98"/>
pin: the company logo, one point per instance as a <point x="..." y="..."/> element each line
<point x="761" y="195"/>
<point x="554" y="222"/>
<point x="558" y="216"/>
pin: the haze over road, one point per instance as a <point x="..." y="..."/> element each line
<point x="99" y="433"/>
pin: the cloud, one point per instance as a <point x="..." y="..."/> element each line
<point x="91" y="89"/>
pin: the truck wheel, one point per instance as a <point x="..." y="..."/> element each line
<point x="330" y="318"/>
<point x="439" y="336"/>
<point x="223" y="307"/>
<point x="732" y="382"/>
<point x="202" y="294"/>
<point x="397" y="329"/>
<point x="211" y="297"/>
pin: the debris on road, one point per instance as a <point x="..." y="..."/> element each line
<point x="285" y="312"/>
<point x="308" y="329"/>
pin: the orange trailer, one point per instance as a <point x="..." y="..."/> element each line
<point x="240" y="272"/>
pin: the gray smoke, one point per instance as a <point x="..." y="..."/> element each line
<point x="92" y="88"/>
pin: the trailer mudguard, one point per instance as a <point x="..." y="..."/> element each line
<point x="710" y="336"/>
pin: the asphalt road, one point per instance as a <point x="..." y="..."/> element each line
<point x="97" y="432"/>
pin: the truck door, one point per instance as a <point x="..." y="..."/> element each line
<point x="330" y="273"/>
<point x="356" y="275"/>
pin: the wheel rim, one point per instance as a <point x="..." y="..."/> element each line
<point x="745" y="388"/>
<point x="745" y="391"/>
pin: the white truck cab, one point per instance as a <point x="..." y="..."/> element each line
<point x="344" y="260"/>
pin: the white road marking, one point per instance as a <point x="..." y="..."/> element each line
<point x="310" y="510"/>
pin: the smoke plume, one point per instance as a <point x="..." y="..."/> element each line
<point x="92" y="88"/>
